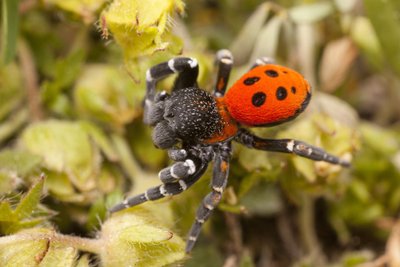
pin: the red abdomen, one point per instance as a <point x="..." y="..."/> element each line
<point x="267" y="95"/>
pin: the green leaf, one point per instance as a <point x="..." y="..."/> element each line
<point x="107" y="94"/>
<point x="385" y="20"/>
<point x="243" y="44"/>
<point x="30" y="201"/>
<point x="140" y="27"/>
<point x="65" y="147"/>
<point x="19" y="162"/>
<point x="59" y="255"/>
<point x="9" y="30"/>
<point x="136" y="237"/>
<point x="268" y="39"/>
<point x="311" y="13"/>
<point x="6" y="213"/>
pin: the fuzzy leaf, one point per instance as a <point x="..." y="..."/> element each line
<point x="59" y="255"/>
<point x="135" y="237"/>
<point x="107" y="94"/>
<point x="6" y="213"/>
<point x="140" y="27"/>
<point x="30" y="201"/>
<point x="64" y="147"/>
<point x="20" y="162"/>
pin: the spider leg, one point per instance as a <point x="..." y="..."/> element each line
<point x="224" y="61"/>
<point x="262" y="61"/>
<point x="186" y="67"/>
<point x="288" y="146"/>
<point x="218" y="184"/>
<point x="164" y="190"/>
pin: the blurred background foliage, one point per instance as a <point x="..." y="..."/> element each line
<point x="73" y="143"/>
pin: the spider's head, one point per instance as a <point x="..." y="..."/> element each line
<point x="268" y="95"/>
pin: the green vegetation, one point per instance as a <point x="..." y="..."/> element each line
<point x="72" y="141"/>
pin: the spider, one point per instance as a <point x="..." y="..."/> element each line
<point x="197" y="127"/>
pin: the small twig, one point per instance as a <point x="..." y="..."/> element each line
<point x="307" y="231"/>
<point x="31" y="81"/>
<point x="288" y="237"/>
<point x="81" y="243"/>
<point x="235" y="233"/>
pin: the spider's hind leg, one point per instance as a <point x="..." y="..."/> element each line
<point x="165" y="189"/>
<point x="218" y="184"/>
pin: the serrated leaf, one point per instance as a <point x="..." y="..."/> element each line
<point x="30" y="201"/>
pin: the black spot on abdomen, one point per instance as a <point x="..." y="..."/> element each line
<point x="258" y="99"/>
<point x="272" y="73"/>
<point x="251" y="80"/>
<point x="281" y="93"/>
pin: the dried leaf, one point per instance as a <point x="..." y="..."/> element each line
<point x="337" y="59"/>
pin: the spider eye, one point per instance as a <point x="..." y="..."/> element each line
<point x="258" y="99"/>
<point x="281" y="93"/>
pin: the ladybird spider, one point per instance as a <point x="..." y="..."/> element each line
<point x="197" y="127"/>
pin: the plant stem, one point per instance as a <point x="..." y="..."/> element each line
<point x="307" y="231"/>
<point x="31" y="81"/>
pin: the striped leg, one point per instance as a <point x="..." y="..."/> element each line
<point x="164" y="190"/>
<point x="218" y="183"/>
<point x="224" y="61"/>
<point x="289" y="146"/>
<point x="186" y="67"/>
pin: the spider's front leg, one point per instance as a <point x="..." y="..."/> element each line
<point x="191" y="171"/>
<point x="288" y="146"/>
<point x="218" y="184"/>
<point x="224" y="61"/>
<point x="188" y="70"/>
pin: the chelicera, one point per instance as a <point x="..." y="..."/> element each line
<point x="197" y="127"/>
